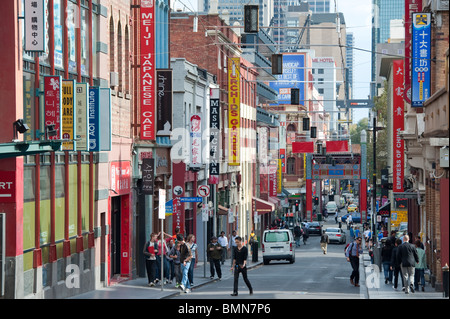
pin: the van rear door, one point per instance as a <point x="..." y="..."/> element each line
<point x="276" y="242"/>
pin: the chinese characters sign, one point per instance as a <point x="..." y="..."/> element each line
<point x="411" y="6"/>
<point x="421" y="55"/>
<point x="34" y="25"/>
<point x="196" y="141"/>
<point x="120" y="177"/>
<point x="147" y="54"/>
<point x="398" y="126"/>
<point x="68" y="118"/>
<point x="234" y="114"/>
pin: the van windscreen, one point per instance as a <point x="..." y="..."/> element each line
<point x="273" y="237"/>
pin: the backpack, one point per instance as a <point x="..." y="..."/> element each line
<point x="346" y="248"/>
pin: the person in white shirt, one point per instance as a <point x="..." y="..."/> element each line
<point x="223" y="241"/>
<point x="232" y="244"/>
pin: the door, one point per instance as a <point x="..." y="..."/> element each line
<point x="115" y="235"/>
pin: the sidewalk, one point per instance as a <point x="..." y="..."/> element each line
<point x="373" y="286"/>
<point x="138" y="288"/>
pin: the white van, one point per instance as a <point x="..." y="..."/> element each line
<point x="278" y="244"/>
<point x="331" y="208"/>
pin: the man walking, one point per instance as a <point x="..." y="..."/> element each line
<point x="324" y="240"/>
<point x="240" y="266"/>
<point x="185" y="262"/>
<point x="214" y="254"/>
<point x="232" y="244"/>
<point x="223" y="241"/>
<point x="352" y="253"/>
<point x="407" y="253"/>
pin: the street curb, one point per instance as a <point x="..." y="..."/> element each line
<point x="177" y="293"/>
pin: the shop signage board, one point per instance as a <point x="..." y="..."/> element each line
<point x="234" y="114"/>
<point x="196" y="141"/>
<point x="68" y="114"/>
<point x="94" y="119"/>
<point x="34" y="25"/>
<point x="81" y="114"/>
<point x="398" y="126"/>
<point x="105" y="119"/>
<point x="7" y="187"/>
<point x="148" y="175"/>
<point x="120" y="177"/>
<point x="164" y="102"/>
<point x="52" y="102"/>
<point x="214" y="127"/>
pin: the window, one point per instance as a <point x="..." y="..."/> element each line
<point x="320" y="81"/>
<point x="290" y="166"/>
<point x="127" y="60"/>
<point x="320" y="71"/>
<point x="111" y="45"/>
<point x="274" y="237"/>
<point x="119" y="55"/>
<point x="320" y="91"/>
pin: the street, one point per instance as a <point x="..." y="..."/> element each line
<point x="312" y="276"/>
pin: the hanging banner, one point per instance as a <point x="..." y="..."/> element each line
<point x="34" y="25"/>
<point x="234" y="114"/>
<point x="164" y="102"/>
<point x="148" y="175"/>
<point x="283" y="160"/>
<point x="82" y="120"/>
<point x="105" y="119"/>
<point x="411" y="6"/>
<point x="273" y="180"/>
<point x="179" y="170"/>
<point x="279" y="177"/>
<point x="214" y="128"/>
<point x="303" y="147"/>
<point x="420" y="62"/>
<point x="94" y="119"/>
<point x="52" y="101"/>
<point x="68" y="114"/>
<point x="337" y="146"/>
<point x="398" y="126"/>
<point x="263" y="147"/>
<point x="196" y="141"/>
<point x="120" y="177"/>
<point x="148" y="63"/>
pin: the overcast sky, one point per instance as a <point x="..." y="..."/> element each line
<point x="358" y="17"/>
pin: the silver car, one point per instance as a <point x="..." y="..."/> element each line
<point x="336" y="235"/>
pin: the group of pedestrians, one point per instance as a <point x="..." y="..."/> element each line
<point x="180" y="258"/>
<point x="299" y="233"/>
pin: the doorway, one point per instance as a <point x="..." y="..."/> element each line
<point x="115" y="235"/>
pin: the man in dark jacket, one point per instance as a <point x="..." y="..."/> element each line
<point x="214" y="254"/>
<point x="407" y="253"/>
<point x="396" y="263"/>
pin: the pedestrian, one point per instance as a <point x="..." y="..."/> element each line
<point x="305" y="234"/>
<point x="185" y="263"/>
<point x="367" y="235"/>
<point x="297" y="234"/>
<point x="232" y="244"/>
<point x="190" y="242"/>
<point x="240" y="266"/>
<point x="395" y="264"/>
<point x="352" y="253"/>
<point x="407" y="253"/>
<point x="349" y="221"/>
<point x="352" y="233"/>
<point x="150" y="249"/>
<point x="357" y="232"/>
<point x="170" y="245"/>
<point x="162" y="250"/>
<point x="175" y="255"/>
<point x="223" y="241"/>
<point x="386" y="257"/>
<point x="214" y="255"/>
<point x="254" y="245"/>
<point x="420" y="267"/>
<point x="324" y="240"/>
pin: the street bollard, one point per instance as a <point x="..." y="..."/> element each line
<point x="445" y="280"/>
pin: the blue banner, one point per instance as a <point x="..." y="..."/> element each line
<point x="94" y="119"/>
<point x="420" y="61"/>
<point x="293" y="77"/>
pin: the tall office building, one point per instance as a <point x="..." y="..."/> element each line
<point x="383" y="11"/>
<point x="319" y="6"/>
<point x="349" y="58"/>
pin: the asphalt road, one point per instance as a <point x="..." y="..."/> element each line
<point x="312" y="276"/>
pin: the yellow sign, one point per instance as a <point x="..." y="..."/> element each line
<point x="234" y="114"/>
<point x="68" y="118"/>
<point x="421" y="19"/>
<point x="397" y="217"/>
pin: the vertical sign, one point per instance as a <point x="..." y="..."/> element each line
<point x="273" y="179"/>
<point x="162" y="204"/>
<point x="179" y="170"/>
<point x="234" y="114"/>
<point x="164" y="102"/>
<point x="214" y="127"/>
<point x="421" y="55"/>
<point x="147" y="48"/>
<point x="196" y="141"/>
<point x="68" y="114"/>
<point x="283" y="160"/>
<point x="120" y="177"/>
<point x="94" y="119"/>
<point x="105" y="119"/>
<point x="148" y="174"/>
<point x="279" y="177"/>
<point x="411" y="6"/>
<point x="82" y="121"/>
<point x="52" y="101"/>
<point x="398" y="126"/>
<point x="34" y="25"/>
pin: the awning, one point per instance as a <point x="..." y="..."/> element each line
<point x="274" y="200"/>
<point x="262" y="207"/>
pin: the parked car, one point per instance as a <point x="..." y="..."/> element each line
<point x="356" y="217"/>
<point x="331" y="208"/>
<point x="314" y="228"/>
<point x="336" y="235"/>
<point x="352" y="208"/>
<point x="278" y="244"/>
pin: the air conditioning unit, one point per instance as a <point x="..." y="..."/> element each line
<point x="113" y="79"/>
<point x="439" y="5"/>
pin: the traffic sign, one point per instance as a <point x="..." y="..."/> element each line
<point x="203" y="190"/>
<point x="191" y="199"/>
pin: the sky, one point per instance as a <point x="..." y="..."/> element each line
<point x="358" y="19"/>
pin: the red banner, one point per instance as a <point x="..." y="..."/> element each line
<point x="148" y="71"/>
<point x="120" y="178"/>
<point x="398" y="126"/>
<point x="302" y="147"/>
<point x="52" y="101"/>
<point x="337" y="146"/>
<point x="283" y="160"/>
